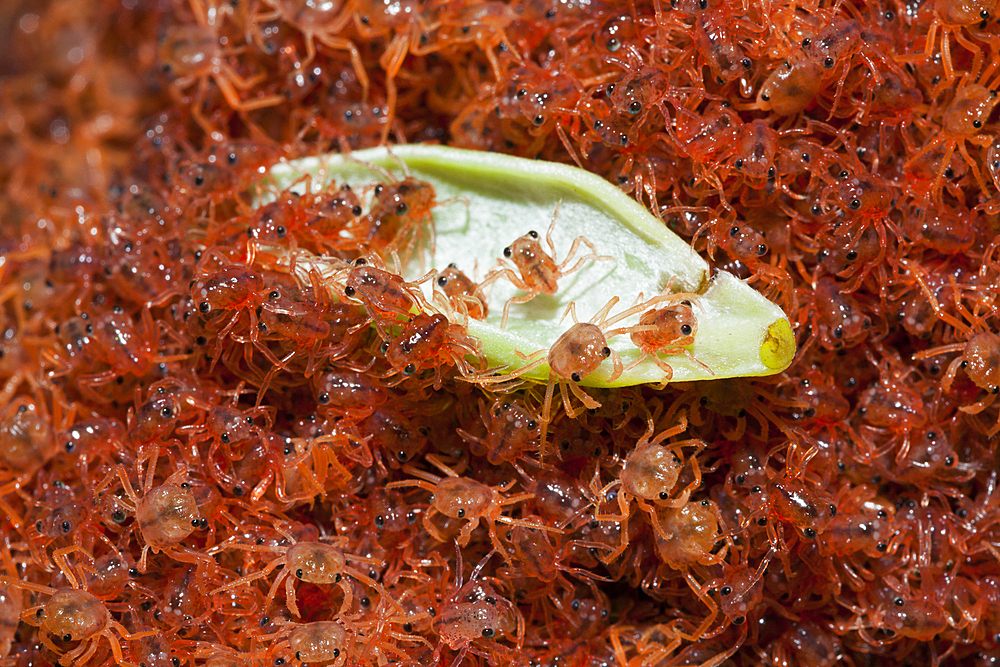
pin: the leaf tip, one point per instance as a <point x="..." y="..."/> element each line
<point x="778" y="348"/>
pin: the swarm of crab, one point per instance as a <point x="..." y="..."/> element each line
<point x="211" y="457"/>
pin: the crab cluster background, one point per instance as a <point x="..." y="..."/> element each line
<point x="205" y="461"/>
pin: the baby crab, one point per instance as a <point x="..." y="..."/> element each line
<point x="431" y="342"/>
<point x="165" y="515"/>
<point x="648" y="476"/>
<point x="577" y="353"/>
<point x="465" y="498"/>
<point x="537" y="271"/>
<point x="670" y="330"/>
<point x="459" y="294"/>
<point x="474" y="612"/>
<point x="312" y="562"/>
<point x="326" y="642"/>
<point x="73" y="615"/>
<point x="979" y="358"/>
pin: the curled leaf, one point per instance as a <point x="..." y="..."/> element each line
<point x="485" y="201"/>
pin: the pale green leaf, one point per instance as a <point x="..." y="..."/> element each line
<point x="487" y="200"/>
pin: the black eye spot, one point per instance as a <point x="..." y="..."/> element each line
<point x="977" y="123"/>
<point x="575" y="377"/>
<point x="507" y="252"/>
<point x="809" y="532"/>
<point x="725" y="590"/>
<point x="488" y="633"/>
<point x="739" y="163"/>
<point x="898" y="602"/>
<point x="634" y="108"/>
<point x="461" y="514"/>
